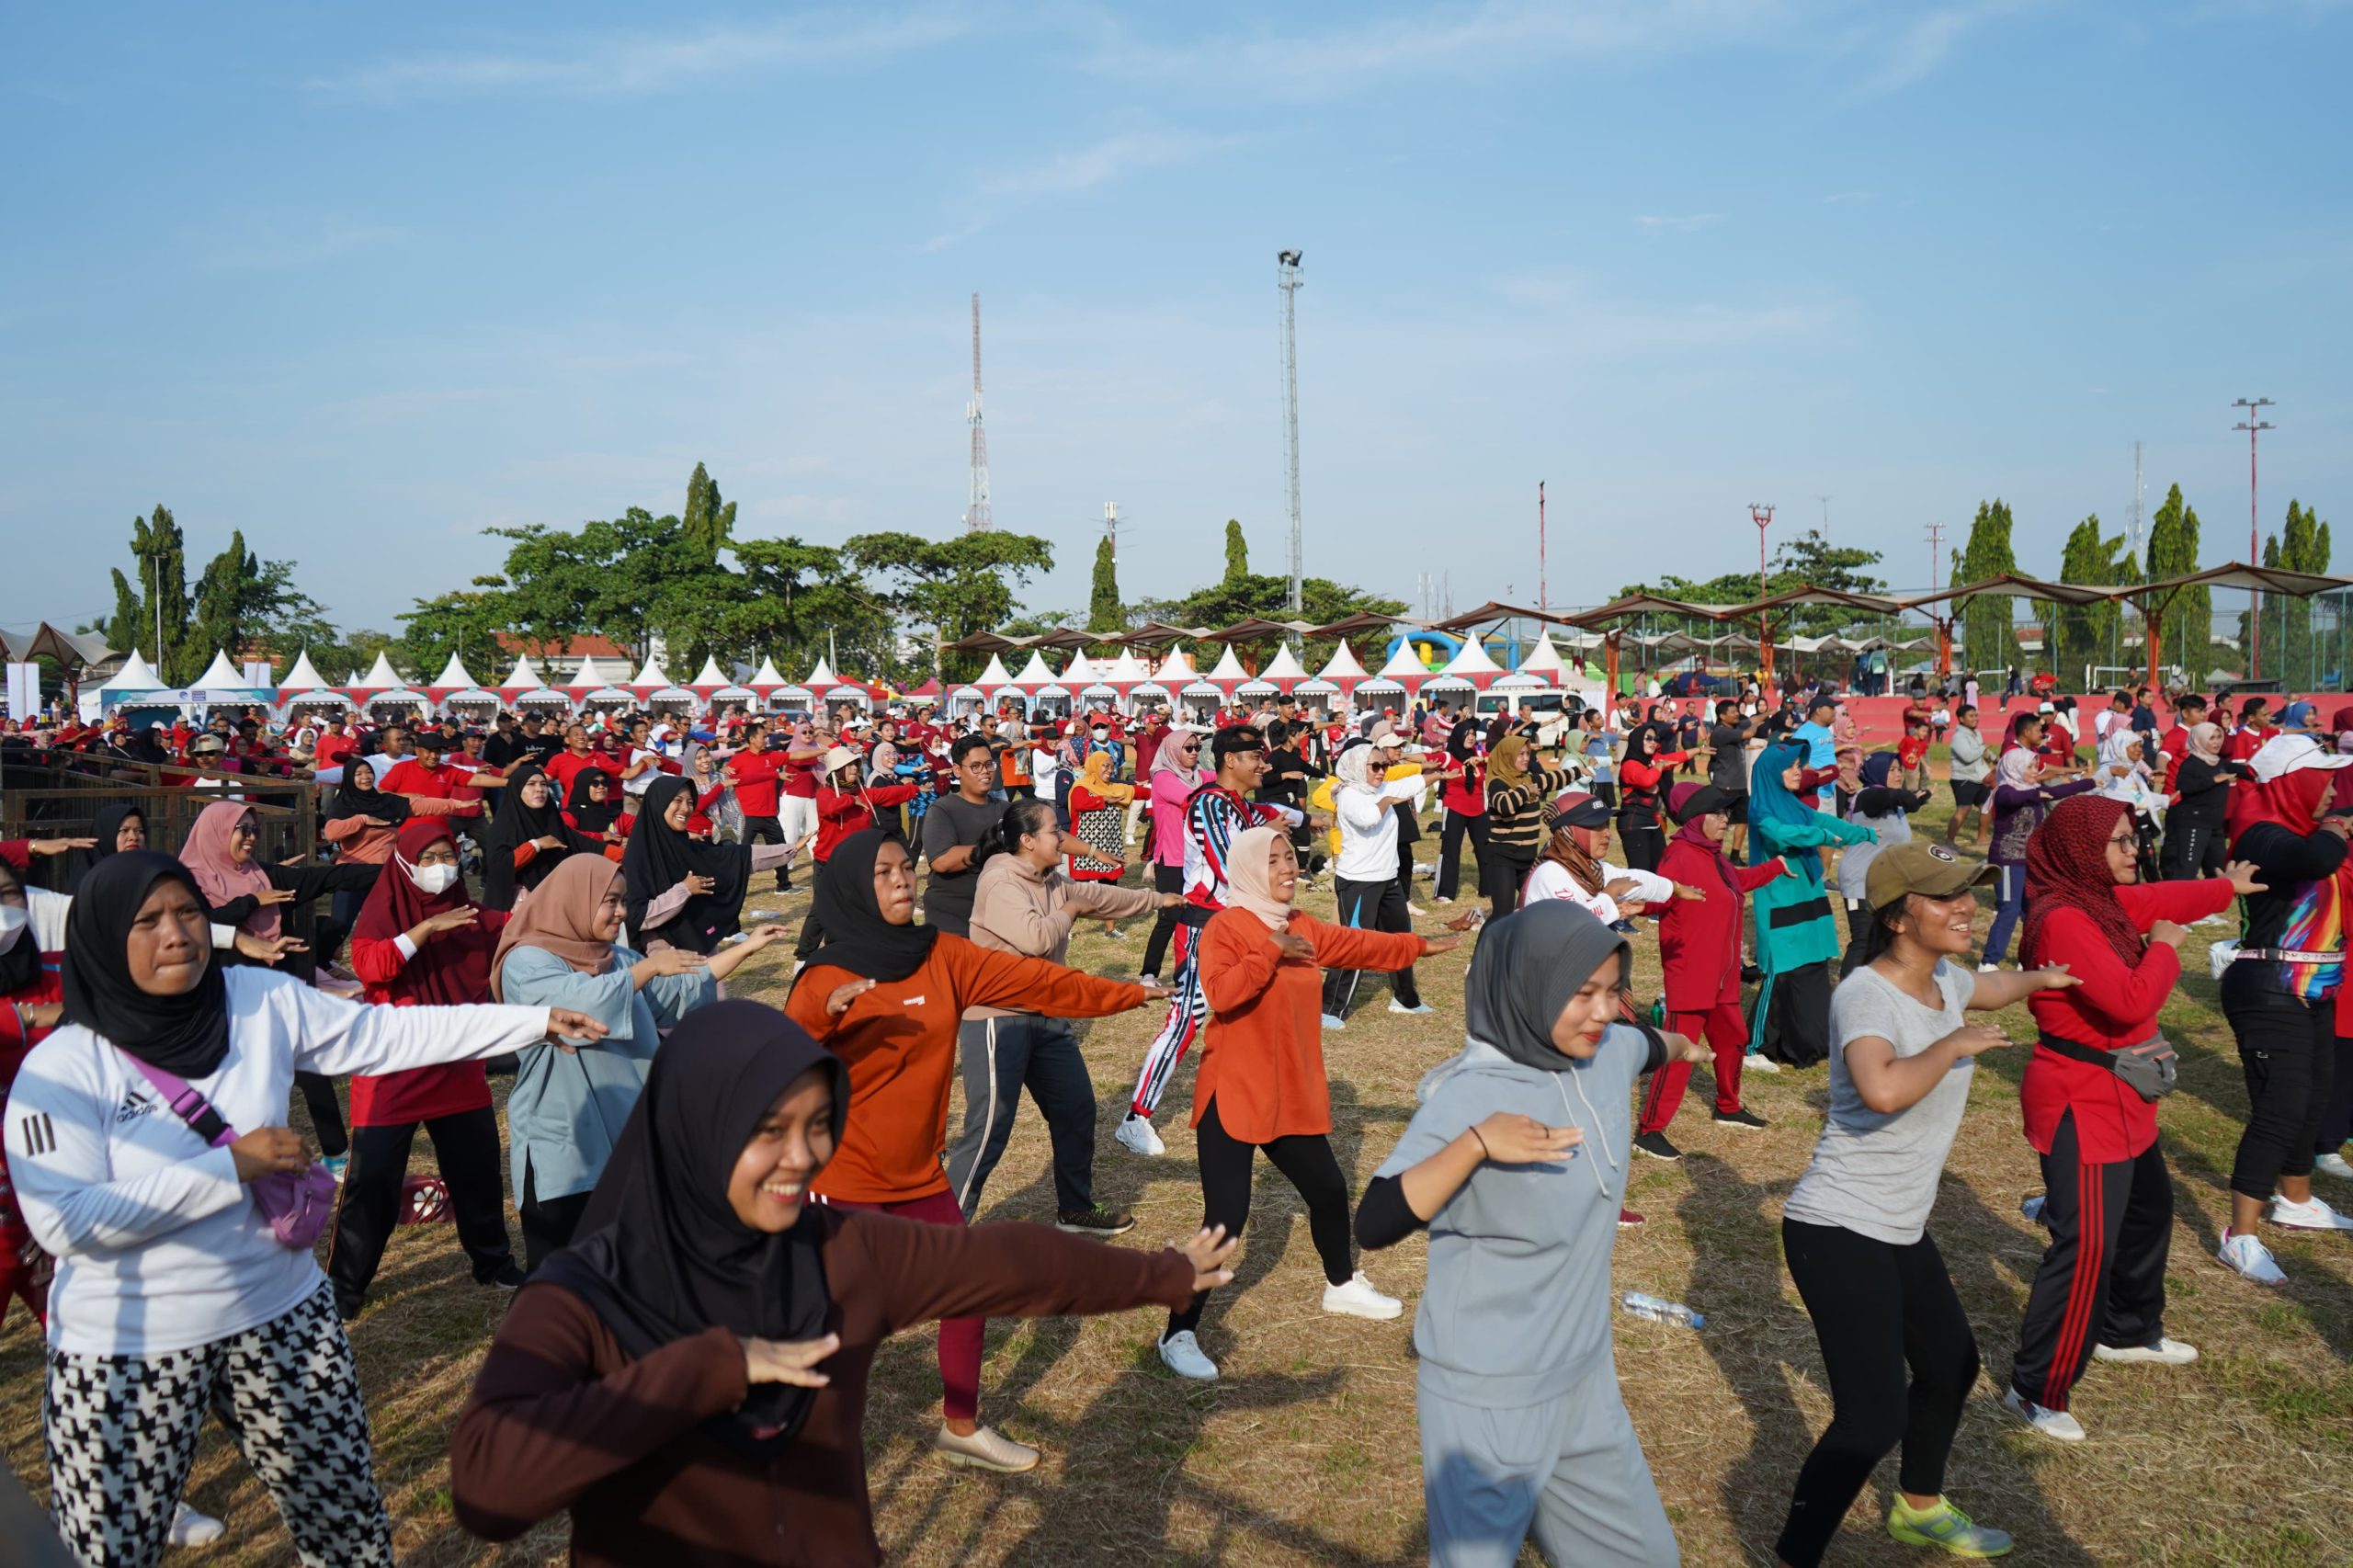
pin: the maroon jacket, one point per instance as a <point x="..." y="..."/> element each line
<point x="1698" y="939"/>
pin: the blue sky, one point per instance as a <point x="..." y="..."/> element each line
<point x="365" y="281"/>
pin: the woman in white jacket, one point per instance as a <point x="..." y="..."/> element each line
<point x="135" y="1134"/>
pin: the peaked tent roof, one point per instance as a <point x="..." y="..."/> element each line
<point x="1341" y="666"/>
<point x="652" y="674"/>
<point x="1229" y="667"/>
<point x="304" y="676"/>
<point x="453" y="675"/>
<point x="766" y="674"/>
<point x="995" y="675"/>
<point x="822" y="676"/>
<point x="1472" y="660"/>
<point x="589" y="677"/>
<point x="380" y="675"/>
<point x="1035" y="672"/>
<point x="1543" y="659"/>
<point x="1080" y="671"/>
<point x="134" y="675"/>
<point x="709" y="674"/>
<point x="523" y="676"/>
<point x="1125" y="669"/>
<point x="1284" y="666"/>
<point x="219" y="675"/>
<point x="1403" y="661"/>
<point x="1176" y="669"/>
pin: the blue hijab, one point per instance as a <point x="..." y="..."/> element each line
<point x="1770" y="801"/>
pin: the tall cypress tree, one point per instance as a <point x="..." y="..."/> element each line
<point x="1986" y="632"/>
<point x="2188" y="633"/>
<point x="162" y="556"/>
<point x="1103" y="612"/>
<point x="1237" y="551"/>
<point x="708" y="521"/>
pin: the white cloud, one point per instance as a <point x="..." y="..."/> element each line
<point x="625" y="65"/>
<point x="1679" y="225"/>
<point x="1075" y="172"/>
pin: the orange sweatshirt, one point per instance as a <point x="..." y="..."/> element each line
<point x="1262" y="1048"/>
<point x="899" y="1042"/>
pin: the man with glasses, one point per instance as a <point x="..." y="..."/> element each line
<point x="1212" y="813"/>
<point x="959" y="834"/>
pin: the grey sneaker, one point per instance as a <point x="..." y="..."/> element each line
<point x="1095" y="1221"/>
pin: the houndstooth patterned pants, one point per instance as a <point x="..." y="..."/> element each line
<point x="122" y="1434"/>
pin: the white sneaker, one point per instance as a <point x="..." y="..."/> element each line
<point x="1135" y="1135"/>
<point x="2337" y="1165"/>
<point x="2214" y="920"/>
<point x="2164" y="1352"/>
<point x="1357" y="1299"/>
<point x="1989" y="969"/>
<point x="1333" y="1021"/>
<point x="1441" y="901"/>
<point x="1182" y="1354"/>
<point x="2310" y="1215"/>
<point x="987" y="1448"/>
<point x="2250" y="1258"/>
<point x="192" y="1529"/>
<point x="1397" y="1007"/>
<point x="2050" y="1423"/>
<point x="1757" y="1062"/>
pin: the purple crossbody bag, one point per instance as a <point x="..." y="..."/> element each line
<point x="297" y="1207"/>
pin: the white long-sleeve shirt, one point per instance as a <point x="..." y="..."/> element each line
<point x="159" y="1246"/>
<point x="1369" y="828"/>
<point x="1552" y="880"/>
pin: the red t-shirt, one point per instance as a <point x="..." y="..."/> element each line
<point x="1911" y="750"/>
<point x="332" y="749"/>
<point x="408" y="776"/>
<point x="563" y="767"/>
<point x="756" y="774"/>
<point x="2245" y="740"/>
<point x="801" y="778"/>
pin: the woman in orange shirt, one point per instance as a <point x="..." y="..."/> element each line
<point x="1261" y="1084"/>
<point x="886" y="996"/>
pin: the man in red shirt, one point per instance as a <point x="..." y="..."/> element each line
<point x="2253" y="731"/>
<point x="574" y="759"/>
<point x="431" y="788"/>
<point x="754" y="772"/>
<point x="2188" y="714"/>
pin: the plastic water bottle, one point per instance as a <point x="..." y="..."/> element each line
<point x="1657" y="1310"/>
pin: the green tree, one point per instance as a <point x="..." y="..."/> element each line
<point x="461" y="622"/>
<point x="2287" y="650"/>
<point x="2084" y="635"/>
<point x="2188" y="632"/>
<point x="1987" y="634"/>
<point x="1237" y="554"/>
<point x="162" y="578"/>
<point x="708" y="522"/>
<point x="953" y="587"/>
<point x="126" y="629"/>
<point x="1103" y="612"/>
<point x="1807" y="559"/>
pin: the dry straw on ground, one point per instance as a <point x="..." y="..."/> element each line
<point x="1306" y="1451"/>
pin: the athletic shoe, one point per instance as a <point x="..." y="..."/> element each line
<point x="1628" y="1219"/>
<point x="1147" y="980"/>
<point x="987" y="1448"/>
<point x="2310" y="1215"/>
<point x="509" y="1276"/>
<point x="1397" y="1007"/>
<point x="1416" y="910"/>
<point x="1944" y="1525"/>
<point x="1095" y="1221"/>
<point x="192" y="1529"/>
<point x="1656" y="1146"/>
<point x="1750" y="974"/>
<point x="1989" y="969"/>
<point x="2337" y="1165"/>
<point x="2056" y="1423"/>
<point x="1182" y="1354"/>
<point x="336" y="1165"/>
<point x="2032" y="1207"/>
<point x="1757" y="1062"/>
<point x="2164" y="1352"/>
<point x="1333" y="1021"/>
<point x="2250" y="1258"/>
<point x="1135" y="1135"/>
<point x="1441" y="901"/>
<point x="1744" y="1116"/>
<point x="1357" y="1299"/>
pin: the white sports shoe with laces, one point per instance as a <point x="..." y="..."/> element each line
<point x="1357" y="1299"/>
<point x="2250" y="1258"/>
<point x="1182" y="1354"/>
<point x="2313" y="1214"/>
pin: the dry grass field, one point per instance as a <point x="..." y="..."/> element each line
<point x="1306" y="1451"/>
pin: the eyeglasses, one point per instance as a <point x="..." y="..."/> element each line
<point x="2124" y="841"/>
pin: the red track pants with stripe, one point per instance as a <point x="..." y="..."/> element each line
<point x="1726" y="1033"/>
<point x="960" y="1338"/>
<point x="2103" y="1276"/>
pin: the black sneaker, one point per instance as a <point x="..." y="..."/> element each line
<point x="1095" y="1221"/>
<point x="1744" y="1116"/>
<point x="1656" y="1145"/>
<point x="509" y="1276"/>
<point x="1750" y="974"/>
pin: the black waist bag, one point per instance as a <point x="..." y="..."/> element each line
<point x="2148" y="1069"/>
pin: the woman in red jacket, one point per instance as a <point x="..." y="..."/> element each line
<point x="1642" y="780"/>
<point x="2100" y="1290"/>
<point x="420" y="940"/>
<point x="1698" y="941"/>
<point x="1262" y="1084"/>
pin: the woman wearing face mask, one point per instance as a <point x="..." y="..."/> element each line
<point x="1262" y="1084"/>
<point x="421" y="942"/>
<point x="690" y="1380"/>
<point x="1895" y="1343"/>
<point x="175" y="1292"/>
<point x="887" y="995"/>
<point x="1644" y="776"/>
<point x="1516" y="1161"/>
<point x="1797" y="937"/>
<point x="567" y="1107"/>
<point x="528" y="838"/>
<point x="684" y="893"/>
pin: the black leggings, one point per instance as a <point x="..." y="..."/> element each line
<point x="1306" y="1160"/>
<point x="1165" y="878"/>
<point x="548" y="1222"/>
<point x="813" y="935"/>
<point x="1369" y="906"/>
<point x="1638" y="831"/>
<point x="1502" y="873"/>
<point x="2288" y="1053"/>
<point x="1881" y="1312"/>
<point x="326" y="1113"/>
<point x="1450" y="851"/>
<point x="465" y="1145"/>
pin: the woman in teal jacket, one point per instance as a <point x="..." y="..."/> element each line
<point x="1797" y="936"/>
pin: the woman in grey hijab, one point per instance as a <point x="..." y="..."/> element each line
<point x="1516" y="1162"/>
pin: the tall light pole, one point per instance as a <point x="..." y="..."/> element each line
<point x="1543" y="600"/>
<point x="2253" y="424"/>
<point x="1763" y="518"/>
<point x="1287" y="278"/>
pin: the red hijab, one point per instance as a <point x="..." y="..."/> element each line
<point x="2294" y="801"/>
<point x="2066" y="867"/>
<point x="453" y="967"/>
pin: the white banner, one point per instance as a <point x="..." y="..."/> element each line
<point x="24" y="691"/>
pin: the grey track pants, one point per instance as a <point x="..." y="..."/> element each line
<point x="1569" y="1473"/>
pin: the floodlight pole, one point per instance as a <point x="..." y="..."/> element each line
<point x="1763" y="518"/>
<point x="2253" y="423"/>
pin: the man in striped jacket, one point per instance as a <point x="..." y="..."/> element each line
<point x="1214" y="815"/>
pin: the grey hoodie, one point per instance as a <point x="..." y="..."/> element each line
<point x="1517" y="1308"/>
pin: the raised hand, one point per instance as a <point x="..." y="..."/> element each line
<point x="1208" y="1253"/>
<point x="2243" y="874"/>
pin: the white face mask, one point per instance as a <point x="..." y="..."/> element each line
<point x="434" y="880"/>
<point x="12" y="925"/>
<point x="1102" y="735"/>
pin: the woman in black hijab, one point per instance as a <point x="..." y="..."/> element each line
<point x="592" y="816"/>
<point x="688" y="1379"/>
<point x="663" y="857"/>
<point x="354" y="799"/>
<point x="529" y="815"/>
<point x="116" y="827"/>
